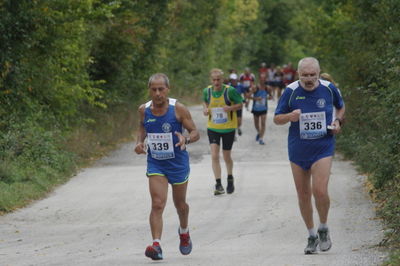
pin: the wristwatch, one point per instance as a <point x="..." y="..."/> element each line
<point x="340" y="120"/>
<point x="187" y="140"/>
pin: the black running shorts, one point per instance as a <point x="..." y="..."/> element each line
<point x="227" y="139"/>
<point x="259" y="113"/>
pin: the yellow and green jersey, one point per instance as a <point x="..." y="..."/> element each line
<point x="219" y="120"/>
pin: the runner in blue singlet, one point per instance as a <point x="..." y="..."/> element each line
<point x="259" y="110"/>
<point x="315" y="110"/>
<point x="161" y="122"/>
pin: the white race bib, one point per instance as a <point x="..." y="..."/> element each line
<point x="312" y="125"/>
<point x="161" y="145"/>
<point x="218" y="115"/>
<point x="260" y="103"/>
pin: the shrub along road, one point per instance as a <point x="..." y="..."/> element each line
<point x="100" y="217"/>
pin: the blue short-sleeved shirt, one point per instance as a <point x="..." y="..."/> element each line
<point x="260" y="105"/>
<point x="240" y="88"/>
<point x="322" y="100"/>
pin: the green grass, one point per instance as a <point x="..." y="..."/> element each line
<point x="33" y="160"/>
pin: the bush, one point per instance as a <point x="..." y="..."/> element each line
<point x="32" y="159"/>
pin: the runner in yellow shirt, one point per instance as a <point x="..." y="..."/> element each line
<point x="220" y="104"/>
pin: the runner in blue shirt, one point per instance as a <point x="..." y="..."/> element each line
<point x="260" y="109"/>
<point x="233" y="81"/>
<point x="315" y="110"/>
<point x="161" y="122"/>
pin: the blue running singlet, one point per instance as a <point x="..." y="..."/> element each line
<point x="163" y="158"/>
<point x="308" y="139"/>
<point x="260" y="105"/>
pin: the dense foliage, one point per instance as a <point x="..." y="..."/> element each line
<point x="72" y="73"/>
<point x="358" y="42"/>
<point x="65" y="68"/>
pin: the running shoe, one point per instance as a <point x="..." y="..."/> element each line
<point x="185" y="245"/>
<point x="219" y="189"/>
<point x="231" y="187"/>
<point x="261" y="142"/>
<point x="325" y="240"/>
<point x="258" y="137"/>
<point x="311" y="245"/>
<point x="239" y="132"/>
<point x="154" y="252"/>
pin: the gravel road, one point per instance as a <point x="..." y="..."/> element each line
<point x="100" y="217"/>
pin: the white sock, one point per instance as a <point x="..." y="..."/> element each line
<point x="183" y="231"/>
<point x="312" y="232"/>
<point x="323" y="226"/>
<point x="157" y="240"/>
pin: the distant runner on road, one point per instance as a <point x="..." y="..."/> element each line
<point x="233" y="81"/>
<point x="220" y="103"/>
<point x="247" y="79"/>
<point x="260" y="109"/>
<point x="161" y="122"/>
<point x="315" y="110"/>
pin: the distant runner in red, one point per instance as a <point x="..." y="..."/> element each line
<point x="247" y="79"/>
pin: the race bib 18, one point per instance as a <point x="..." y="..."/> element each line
<point x="219" y="116"/>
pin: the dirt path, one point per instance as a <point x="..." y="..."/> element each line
<point x="100" y="217"/>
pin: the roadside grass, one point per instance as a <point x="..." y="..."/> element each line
<point x="93" y="141"/>
<point x="386" y="196"/>
<point x="34" y="161"/>
<point x="389" y="200"/>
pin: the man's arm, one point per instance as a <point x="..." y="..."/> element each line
<point x="338" y="122"/>
<point x="235" y="107"/>
<point x="237" y="100"/>
<point x="141" y="133"/>
<point x="183" y="115"/>
<point x="282" y="119"/>
<point x="205" y="109"/>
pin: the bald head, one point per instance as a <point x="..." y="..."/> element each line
<point x="158" y="76"/>
<point x="308" y="70"/>
<point x="308" y="62"/>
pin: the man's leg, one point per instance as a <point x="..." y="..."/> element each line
<point x="320" y="177"/>
<point x="302" y="180"/>
<point x="228" y="161"/>
<point x="216" y="166"/>
<point x="179" y="196"/>
<point x="227" y="143"/>
<point x="230" y="188"/>
<point x="239" y="120"/>
<point x="276" y="92"/>
<point x="256" y="119"/>
<point x="158" y="186"/>
<point x="320" y="171"/>
<point x="279" y="92"/>
<point x="263" y="119"/>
